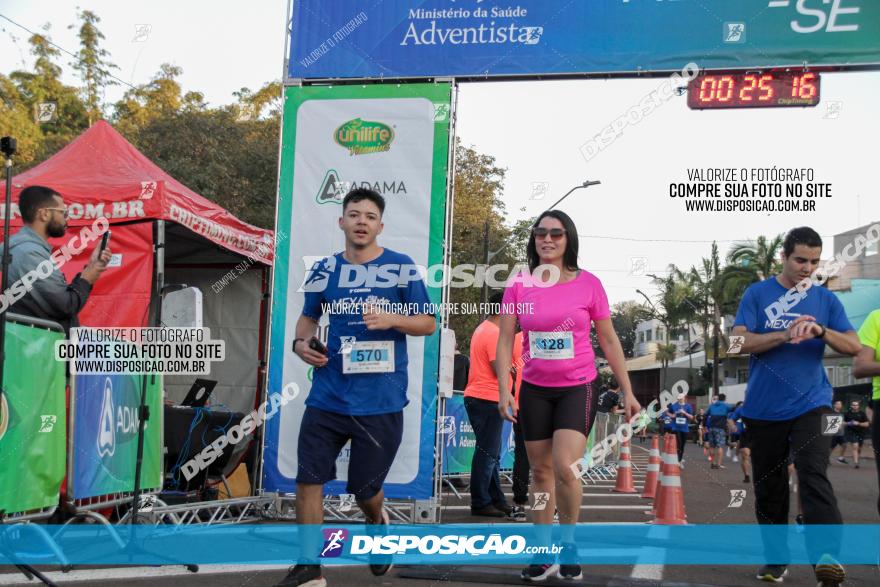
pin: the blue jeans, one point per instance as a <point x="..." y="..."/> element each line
<point x="486" y="422"/>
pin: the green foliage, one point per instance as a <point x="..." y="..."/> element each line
<point x="92" y="63"/>
<point x="228" y="157"/>
<point x="22" y="93"/>
<point x="478" y="205"/>
<point x="625" y="316"/>
<point x="17" y="120"/>
<point x="228" y="162"/>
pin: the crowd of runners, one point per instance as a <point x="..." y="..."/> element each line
<point x="538" y="371"/>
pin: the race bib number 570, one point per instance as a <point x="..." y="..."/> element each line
<point x="369" y="357"/>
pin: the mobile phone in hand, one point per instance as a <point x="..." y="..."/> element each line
<point x="104" y="240"/>
<point x="317" y="345"/>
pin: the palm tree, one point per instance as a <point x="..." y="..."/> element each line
<point x="756" y="260"/>
<point x="671" y="311"/>
<point x="664" y="355"/>
<point x="686" y="285"/>
<point x="712" y="286"/>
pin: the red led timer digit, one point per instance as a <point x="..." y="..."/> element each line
<point x="803" y="86"/>
<point x="765" y="84"/>
<point x="747" y="93"/>
<point x="725" y="89"/>
<point x="712" y="85"/>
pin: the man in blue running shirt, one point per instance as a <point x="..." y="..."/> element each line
<point x="359" y="386"/>
<point x="787" y="320"/>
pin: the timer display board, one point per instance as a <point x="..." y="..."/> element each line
<point x="753" y="90"/>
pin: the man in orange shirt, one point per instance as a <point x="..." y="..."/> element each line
<point x="481" y="403"/>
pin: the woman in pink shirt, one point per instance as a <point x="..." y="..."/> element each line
<point x="555" y="303"/>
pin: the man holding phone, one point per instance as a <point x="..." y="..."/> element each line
<point x="45" y="216"/>
<point x="359" y="386"/>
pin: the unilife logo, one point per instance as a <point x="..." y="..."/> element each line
<point x="363" y="136"/>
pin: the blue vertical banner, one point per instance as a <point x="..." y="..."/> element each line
<point x="485" y="38"/>
<point x="105" y="432"/>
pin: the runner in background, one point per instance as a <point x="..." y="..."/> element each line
<point x="557" y="403"/>
<point x="716" y="416"/>
<point x="837" y="440"/>
<point x="786" y="327"/>
<point x="682" y="415"/>
<point x="738" y="427"/>
<point x="610" y="398"/>
<point x="867" y="364"/>
<point x="700" y="419"/>
<point x="644" y="423"/>
<point x="856" y="423"/>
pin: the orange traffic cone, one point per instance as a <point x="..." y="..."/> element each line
<point x="624" y="471"/>
<point x="663" y="466"/>
<point x="653" y="476"/>
<point x="669" y="503"/>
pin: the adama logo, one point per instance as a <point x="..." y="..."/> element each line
<point x="363" y="136"/>
<point x="106" y="430"/>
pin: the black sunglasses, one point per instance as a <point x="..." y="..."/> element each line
<point x="555" y="233"/>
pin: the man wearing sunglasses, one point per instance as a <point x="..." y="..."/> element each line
<point x="45" y="216"/>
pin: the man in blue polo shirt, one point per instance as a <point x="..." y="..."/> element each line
<point x="787" y="320"/>
<point x="359" y="386"/>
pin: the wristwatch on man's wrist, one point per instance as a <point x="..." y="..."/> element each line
<point x="824" y="331"/>
<point x="296" y="340"/>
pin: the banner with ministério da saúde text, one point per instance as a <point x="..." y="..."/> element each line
<point x="408" y="166"/>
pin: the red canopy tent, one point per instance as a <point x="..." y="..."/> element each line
<point x="162" y="232"/>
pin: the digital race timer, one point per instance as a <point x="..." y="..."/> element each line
<point x="753" y="90"/>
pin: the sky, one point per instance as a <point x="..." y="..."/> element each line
<point x="629" y="225"/>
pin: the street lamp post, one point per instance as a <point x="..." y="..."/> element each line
<point x="654" y="311"/>
<point x="586" y="184"/>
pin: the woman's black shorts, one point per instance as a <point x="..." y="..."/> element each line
<point x="543" y="410"/>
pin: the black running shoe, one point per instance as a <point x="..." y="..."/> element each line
<point x="536" y="573"/>
<point x="772" y="573"/>
<point x="503" y="507"/>
<point x="518" y="514"/>
<point x="381" y="564"/>
<point x="570" y="572"/>
<point x="303" y="576"/>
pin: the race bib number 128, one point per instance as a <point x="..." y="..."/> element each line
<point x="551" y="345"/>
